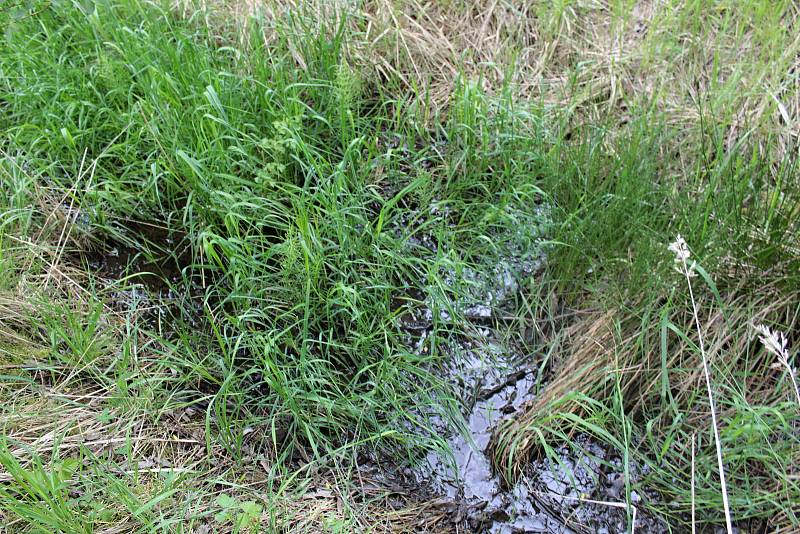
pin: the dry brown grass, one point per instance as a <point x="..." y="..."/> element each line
<point x="316" y="511"/>
<point x="594" y="60"/>
<point x="604" y="350"/>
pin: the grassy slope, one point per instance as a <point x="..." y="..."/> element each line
<point x="290" y="190"/>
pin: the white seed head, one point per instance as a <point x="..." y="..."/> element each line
<point x="682" y="254"/>
<point x="680" y="248"/>
<point x="774" y="341"/>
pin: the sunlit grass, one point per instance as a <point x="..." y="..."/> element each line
<point x="310" y="181"/>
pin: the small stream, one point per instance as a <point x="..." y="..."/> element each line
<point x="497" y="389"/>
<point x="493" y="378"/>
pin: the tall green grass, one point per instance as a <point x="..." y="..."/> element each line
<point x="296" y="189"/>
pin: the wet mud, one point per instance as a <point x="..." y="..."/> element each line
<point x="154" y="274"/>
<point x="582" y="491"/>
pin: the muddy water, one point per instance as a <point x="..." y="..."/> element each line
<point x="492" y="380"/>
<point x="583" y="491"/>
<point x="494" y="387"/>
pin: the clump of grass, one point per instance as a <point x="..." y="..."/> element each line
<point x="290" y="204"/>
<point x="255" y="162"/>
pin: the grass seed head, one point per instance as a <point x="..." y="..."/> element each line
<point x="682" y="255"/>
<point x="774" y="341"/>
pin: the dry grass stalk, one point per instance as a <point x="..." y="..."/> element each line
<point x="682" y="254"/>
<point x="577" y="365"/>
<point x="586" y="363"/>
<point x="776" y="343"/>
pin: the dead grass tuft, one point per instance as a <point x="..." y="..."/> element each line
<point x="602" y="347"/>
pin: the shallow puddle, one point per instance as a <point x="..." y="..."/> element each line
<point x="496" y="387"/>
<point x="156" y="275"/>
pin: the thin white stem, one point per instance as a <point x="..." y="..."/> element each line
<point x="693" y="517"/>
<point x="793" y="379"/>
<point x="707" y="373"/>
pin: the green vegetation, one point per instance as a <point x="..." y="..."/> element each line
<point x="216" y="227"/>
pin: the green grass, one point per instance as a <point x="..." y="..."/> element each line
<point x="260" y="166"/>
<point x="296" y="215"/>
<point x="310" y="203"/>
